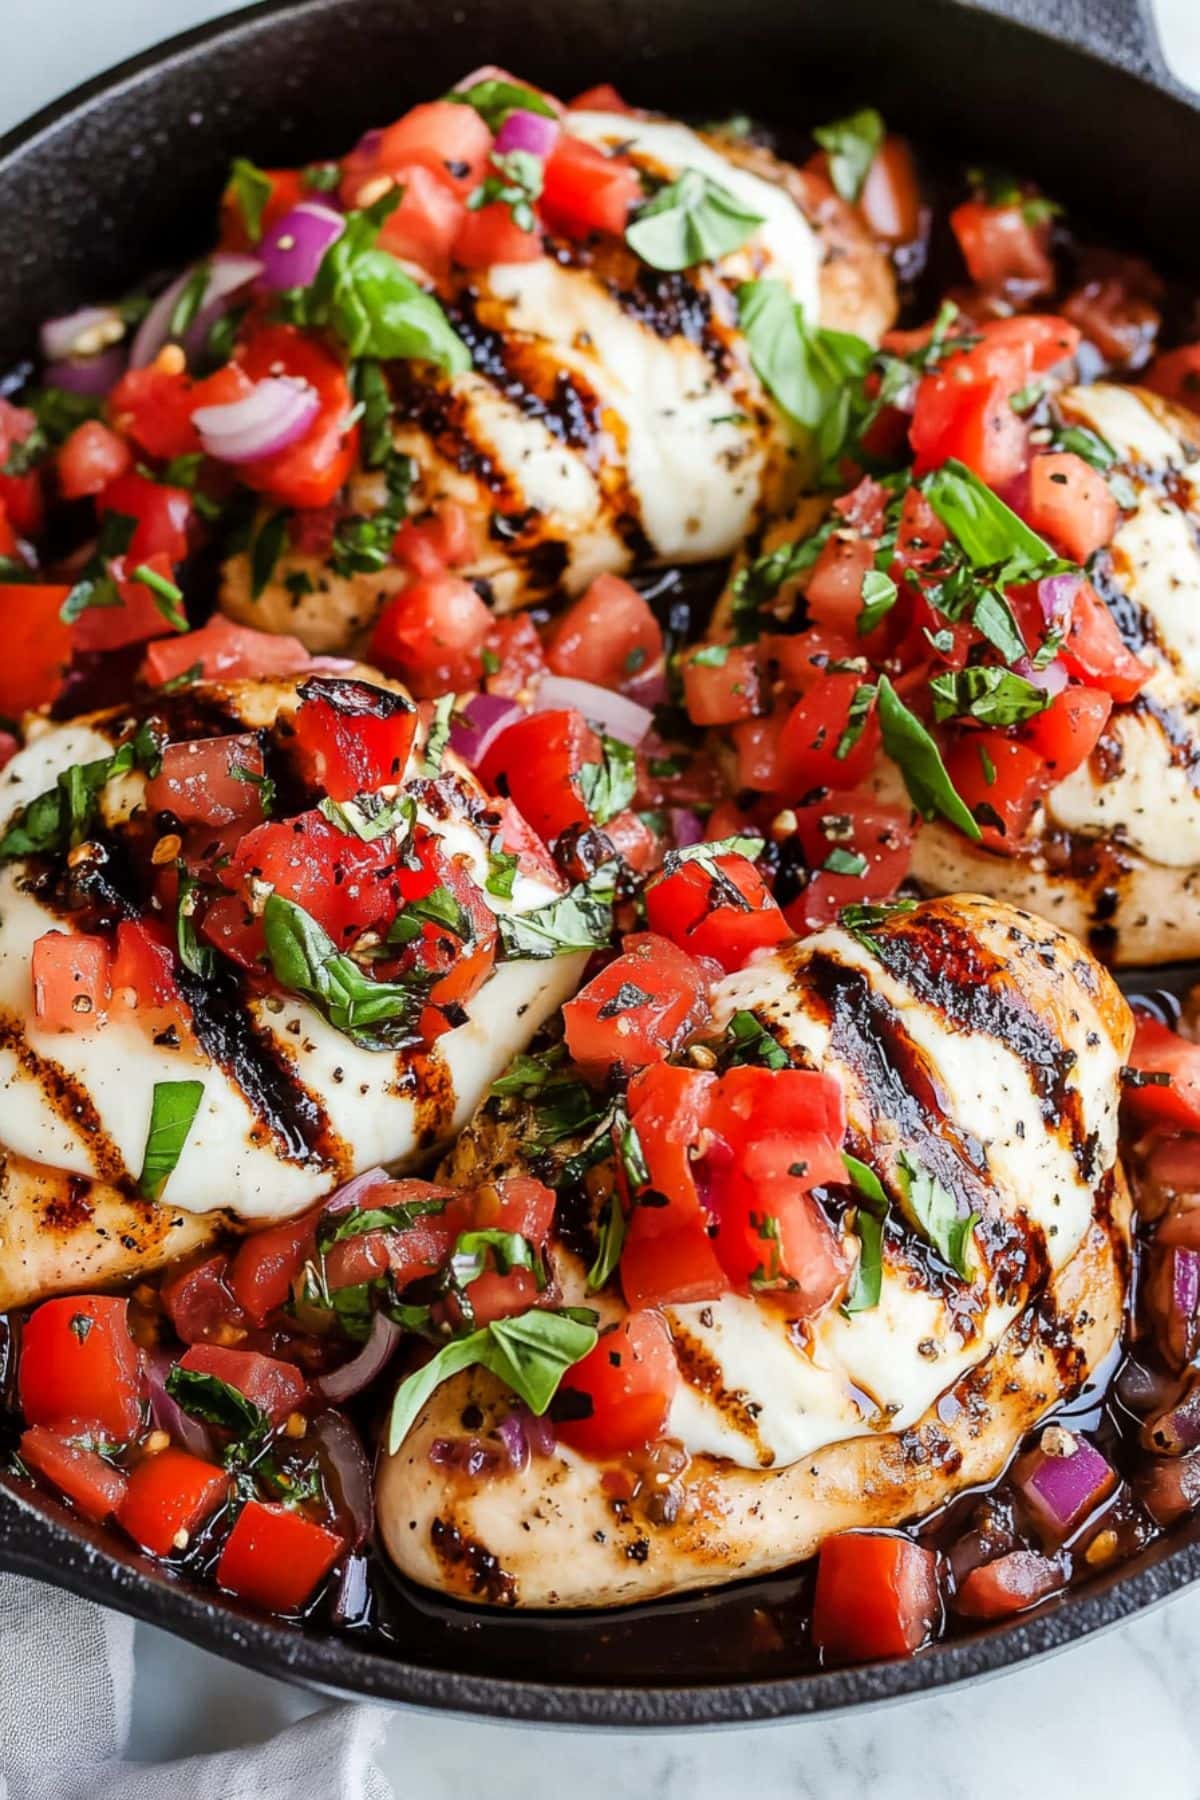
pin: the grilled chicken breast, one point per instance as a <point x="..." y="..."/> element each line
<point x="1116" y="856"/>
<point x="978" y="1045"/>
<point x="612" y="416"/>
<point x="291" y="1107"/>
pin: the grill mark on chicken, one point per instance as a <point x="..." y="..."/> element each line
<point x="444" y="416"/>
<point x="701" y="1370"/>
<point x="1180" y="726"/>
<point x="433" y="1095"/>
<point x="70" y="1211"/>
<point x="69" y="1099"/>
<point x="1108" y="573"/>
<point x="519" y="367"/>
<point x="461" y="1554"/>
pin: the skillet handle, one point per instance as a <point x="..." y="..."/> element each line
<point x="1123" y="32"/>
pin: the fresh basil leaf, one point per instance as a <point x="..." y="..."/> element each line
<point x="199" y="958"/>
<point x="439" y="907"/>
<point x="502" y="871"/>
<point x="189" y="302"/>
<point x="992" y="617"/>
<point x="920" y="763"/>
<point x="993" y="696"/>
<point x="359" y="1220"/>
<point x="530" y="1353"/>
<point x="515" y="181"/>
<point x="493" y="99"/>
<point x="579" y="920"/>
<point x="851" y="144"/>
<point x="362" y="542"/>
<point x="936" y="1215"/>
<point x="844" y="862"/>
<point x="173" y="1109"/>
<point x="251" y="188"/>
<point x="363" y="295"/>
<point x="216" y="1402"/>
<point x="375" y="1015"/>
<point x="810" y="373"/>
<point x="746" y="1040"/>
<point x="879" y="593"/>
<point x="607" y="787"/>
<point x="610" y="1243"/>
<point x="749" y="847"/>
<point x="167" y="595"/>
<point x="1087" y="444"/>
<point x="756" y="585"/>
<point x="857" y="714"/>
<point x="988" y="531"/>
<point x="61" y="818"/>
<point x="372" y="816"/>
<point x="691" y="220"/>
<point x="863" y="920"/>
<point x="439" y="734"/>
<point x="710" y="656"/>
<point x="528" y="1073"/>
<point x="369" y="386"/>
<point x="269" y="543"/>
<point x="870" y="1214"/>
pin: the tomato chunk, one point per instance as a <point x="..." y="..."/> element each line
<point x="91" y="457"/>
<point x="346" y="885"/>
<point x="222" y="650"/>
<point x="716" y="906"/>
<point x="721" y="684"/>
<point x="432" y="633"/>
<point x="169" y="1496"/>
<point x="1071" y="504"/>
<point x="210" y="781"/>
<point x="1176" y="376"/>
<point x="537" y="762"/>
<point x="198" y="1301"/>
<point x="265" y="1265"/>
<point x="353" y="738"/>
<point x="1000" y="781"/>
<point x="637" y="1009"/>
<point x="608" y="636"/>
<point x="877" y="1595"/>
<point x="627" y="1383"/>
<point x="445" y="136"/>
<point x="72" y="983"/>
<point x="1008" y="1585"/>
<point x="871" y="846"/>
<point x="277" y="1388"/>
<point x="96" y="1489"/>
<point x="37" y="645"/>
<point x="818" y="747"/>
<point x="274" y="1557"/>
<point x="309" y="472"/>
<point x="1159" y="1051"/>
<point x="79" y="1367"/>
<point x="1069" y="729"/>
<point x="1095" y="652"/>
<point x="584" y="190"/>
<point x="492" y="235"/>
<point x="424" y="226"/>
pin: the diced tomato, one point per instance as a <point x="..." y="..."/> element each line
<point x="1070" y="728"/>
<point x="756" y="742"/>
<point x="584" y="190"/>
<point x="519" y="839"/>
<point x="309" y="472"/>
<point x="94" y="1487"/>
<point x="37" y="645"/>
<point x="91" y="457"/>
<point x="726" y="915"/>
<point x="834" y="592"/>
<point x="495" y="1296"/>
<point x="721" y="684"/>
<point x="513" y="650"/>
<point x="1000" y="781"/>
<point x="492" y="235"/>
<point x="601" y="98"/>
<point x="72" y="981"/>
<point x="1071" y="504"/>
<point x="630" y="1379"/>
<point x="803" y="659"/>
<point x="142" y="612"/>
<point x="920" y="534"/>
<point x="274" y="1557"/>
<point x="210" y="781"/>
<point x="812" y="733"/>
<point x="346" y="885"/>
<point x="609" y="636"/>
<point x="198" y="1300"/>
<point x="669" y="1268"/>
<point x="443" y="135"/>
<point x="79" y="1367"/>
<point x="963" y="408"/>
<point x="637" y="1009"/>
<point x="418" y="1251"/>
<point x="9" y="545"/>
<point x="996" y="1590"/>
<point x="163" y="514"/>
<point x="1158" y="1051"/>
<point x="670" y="1107"/>
<point x="20" y="495"/>
<point x="353" y="738"/>
<point x="890" y="201"/>
<point x="265" y="1265"/>
<point x="1002" y="249"/>
<point x="444" y="540"/>
<point x="432" y="633"/>
<point x="153" y="406"/>
<point x="1175" y="374"/>
<point x="286" y="189"/>
<point x="536" y="763"/>
<point x="859" y="827"/>
<point x="1095" y="652"/>
<point x="876" y="1595"/>
<point x="143" y="970"/>
<point x="276" y="1388"/>
<point x="223" y="651"/>
<point x="457" y="964"/>
<point x="169" y="1496"/>
<point x="425" y="225"/>
<point x="634" y="842"/>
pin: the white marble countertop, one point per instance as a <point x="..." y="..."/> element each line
<point x="1115" y="1717"/>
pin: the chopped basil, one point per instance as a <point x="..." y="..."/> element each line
<point x="191" y="299"/>
<point x="756" y="585"/>
<point x="749" y="847"/>
<point x="216" y="1402"/>
<point x="530" y="1353"/>
<point x="502" y="872"/>
<point x="61" y="817"/>
<point x="439" y="734"/>
<point x="691" y="220"/>
<point x="607" y="787"/>
<point x="251" y="188"/>
<point x="516" y="183"/>
<point x="988" y="531"/>
<point x="936" y="1215"/>
<point x="96" y="586"/>
<point x="579" y="920"/>
<point x="172" y="1110"/>
<point x="494" y="98"/>
<point x="337" y="1227"/>
<point x="375" y="1015"/>
<point x="166" y="595"/>
<point x="364" y="297"/>
<point x="844" y="862"/>
<point x="993" y="696"/>
<point x="851" y="144"/>
<point x="1086" y="444"/>
<point x="748" y="1041"/>
<point x="611" y="1241"/>
<point x="198" y="958"/>
<point x="269" y="542"/>
<point x="862" y="920"/>
<point x="878" y="596"/>
<point x="857" y="714"/>
<point x="369" y="386"/>
<point x="988" y="766"/>
<point x="439" y="907"/>
<point x="992" y="616"/>
<point x="371" y="816"/>
<point x="528" y="1073"/>
<point x="321" y="178"/>
<point x="920" y="763"/>
<point x="810" y="373"/>
<point x="870" y="1213"/>
<point x="469" y="1258"/>
<point x="710" y="656"/>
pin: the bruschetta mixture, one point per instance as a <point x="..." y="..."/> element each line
<point x="585" y="704"/>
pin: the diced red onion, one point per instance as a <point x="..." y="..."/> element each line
<point x="1169" y="1487"/>
<point x="183" y="1430"/>
<point x="345" y="1459"/>
<point x="86" y="333"/>
<point x="293" y="248"/>
<point x="476" y="728"/>
<point x="1052" y="679"/>
<point x="1142" y="1389"/>
<point x="511" y="1432"/>
<point x="276" y="414"/>
<point x="527" y="131"/>
<point x="91" y="375"/>
<point x="352" y="1377"/>
<point x="228" y="274"/>
<point x="1181" y="1224"/>
<point x="1057" y="596"/>
<point x="1061" y="1490"/>
<point x="687" y="827"/>
<point x="469" y="1455"/>
<point x="1171" y="1294"/>
<point x="369" y="142"/>
<point x="649" y="686"/>
<point x="1177" y="1429"/>
<point x="616" y="715"/>
<point x="352" y="1195"/>
<point x="540" y="1432"/>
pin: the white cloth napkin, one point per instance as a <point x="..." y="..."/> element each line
<point x="66" y="1685"/>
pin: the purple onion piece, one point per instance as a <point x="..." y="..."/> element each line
<point x="81" y="335"/>
<point x="183" y="1430"/>
<point x="228" y="274"/>
<point x="539" y="1430"/>
<point x="687" y="827"/>
<point x="1063" y="1490"/>
<point x="278" y="413"/>
<point x="1169" y="1487"/>
<point x="352" y="1195"/>
<point x="1171" y="1298"/>
<point x="294" y="247"/>
<point x="91" y="375"/>
<point x="512" y="1434"/>
<point x="348" y="1472"/>
<point x="1057" y="596"/>
<point x="1052" y="679"/>
<point x="529" y="131"/>
<point x="1176" y="1429"/>
<point x="616" y="715"/>
<point x="352" y="1377"/>
<point x="480" y="723"/>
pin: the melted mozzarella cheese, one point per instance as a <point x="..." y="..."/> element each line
<point x="784" y="1391"/>
<point x="370" y="1099"/>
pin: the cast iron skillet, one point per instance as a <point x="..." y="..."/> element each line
<point x="121" y="178"/>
